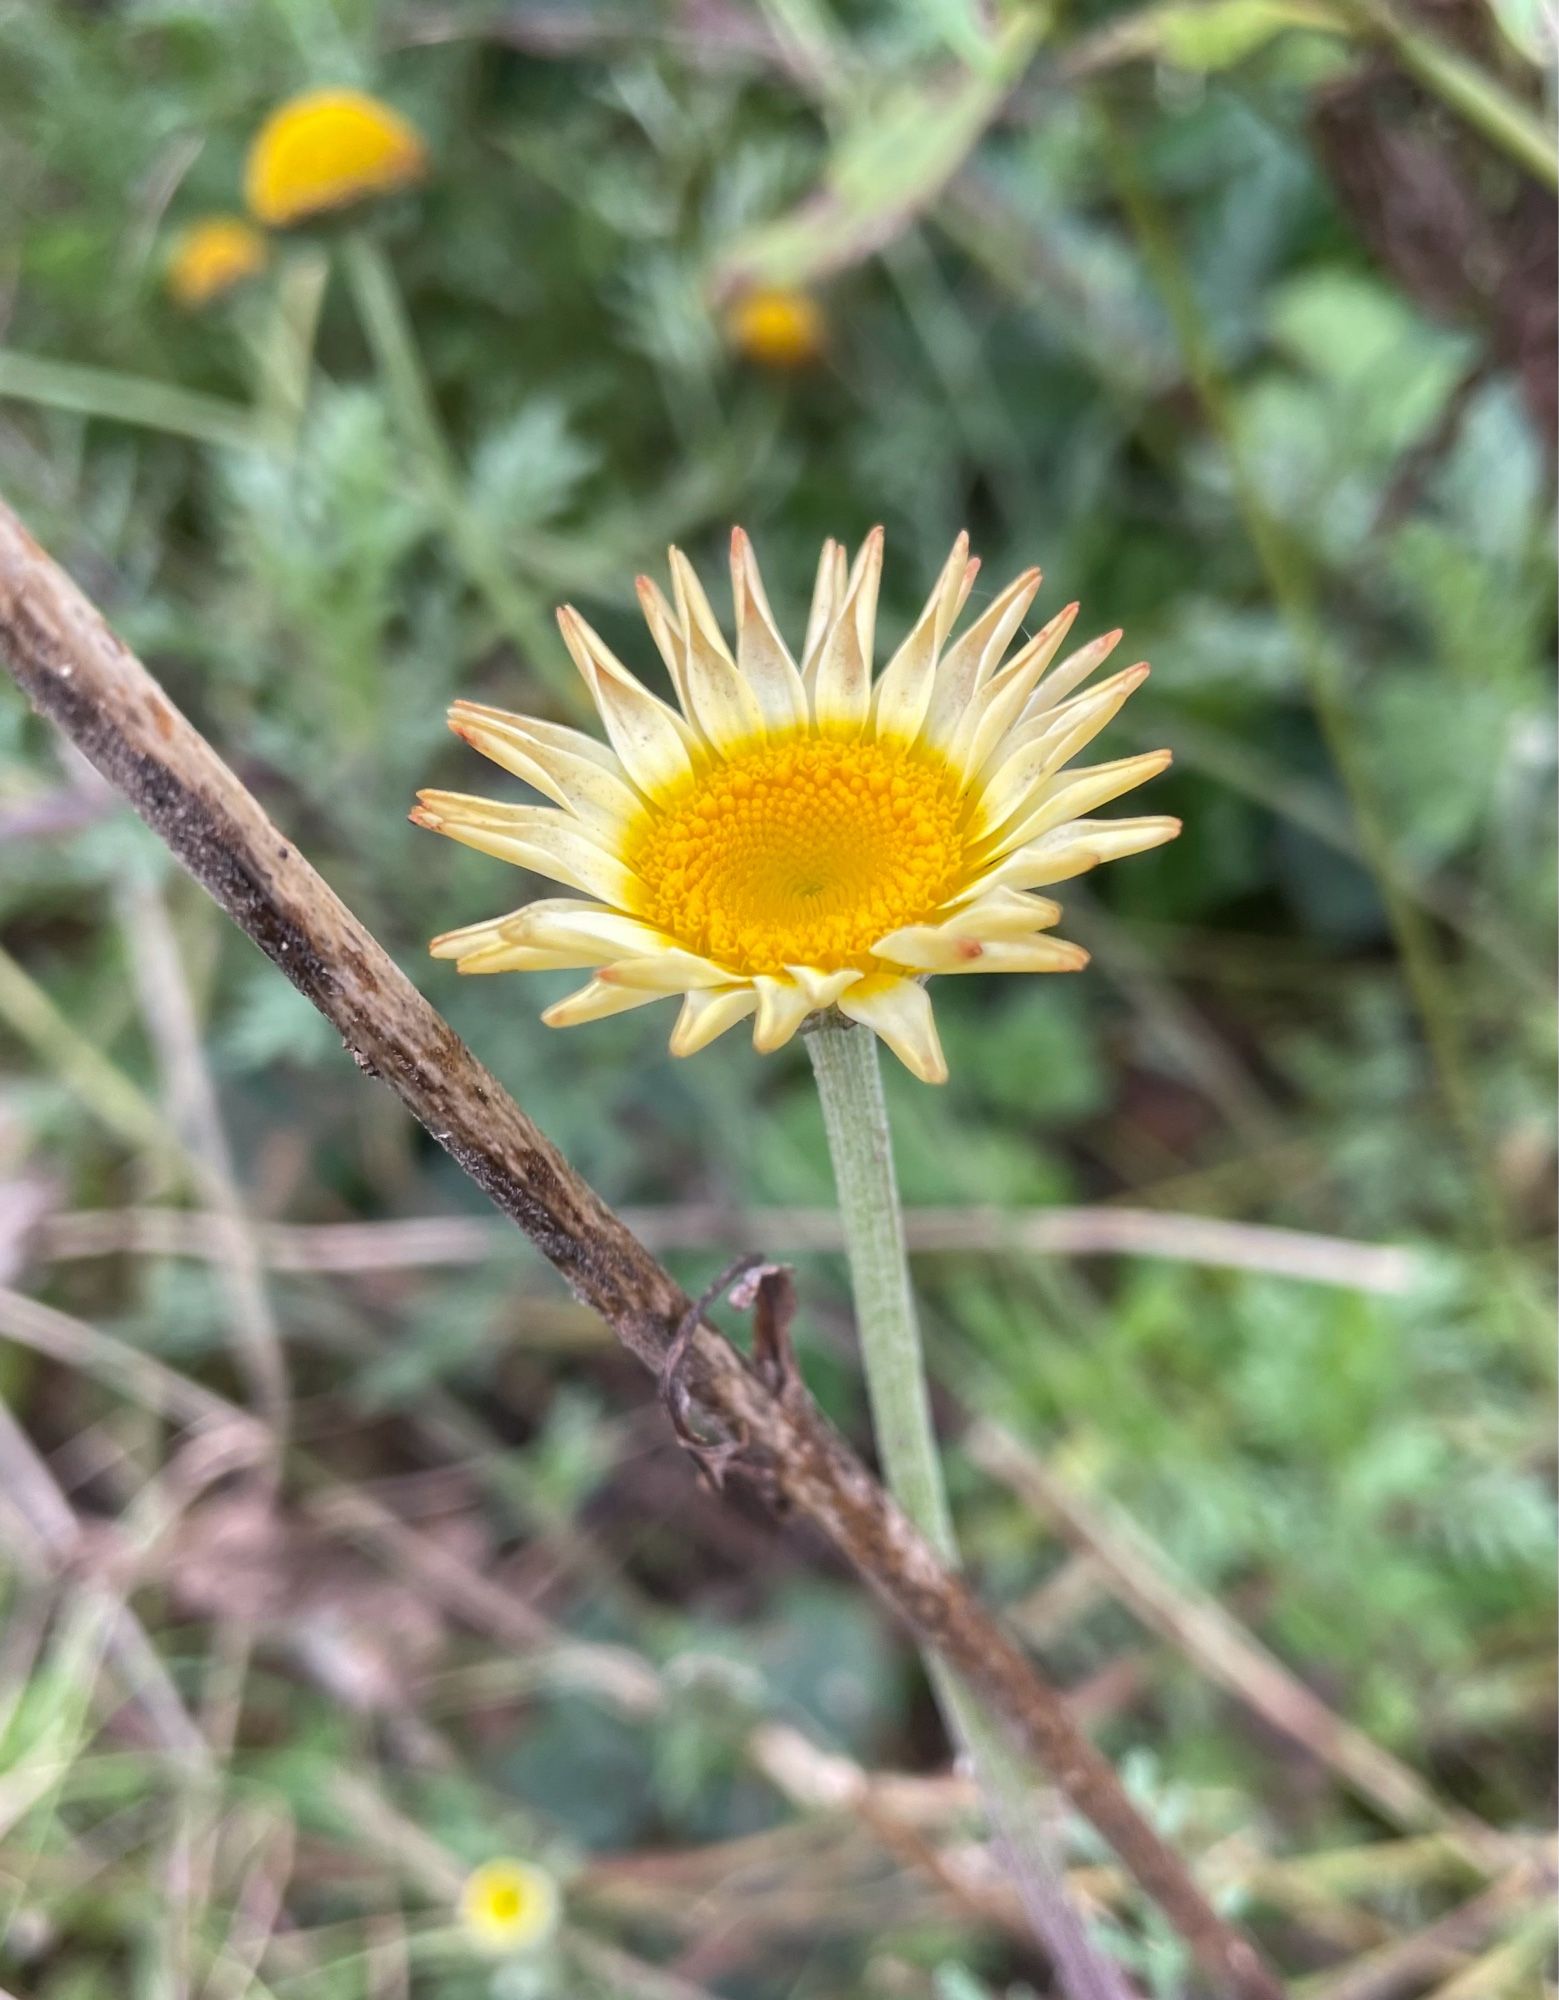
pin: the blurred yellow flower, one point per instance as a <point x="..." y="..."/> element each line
<point x="213" y="255"/>
<point x="325" y="150"/>
<point x="777" y="328"/>
<point x="794" y="838"/>
<point x="509" y="1905"/>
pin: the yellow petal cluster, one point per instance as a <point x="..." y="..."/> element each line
<point x="793" y="835"/>
<point x="327" y="149"/>
<point x="509" y="1906"/>
<point x="777" y="328"/>
<point x="212" y="256"/>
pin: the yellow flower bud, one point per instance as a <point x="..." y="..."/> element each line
<point x="777" y="328"/>
<point x="326" y="150"/>
<point x="213" y="255"/>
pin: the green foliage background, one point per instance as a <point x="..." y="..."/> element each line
<point x="1112" y="300"/>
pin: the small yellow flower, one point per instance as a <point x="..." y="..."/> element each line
<point x="213" y="255"/>
<point x="509" y="1905"/>
<point x="777" y="328"/>
<point x="794" y="838"/>
<point x="325" y="150"/>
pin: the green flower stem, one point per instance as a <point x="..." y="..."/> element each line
<point x="387" y="328"/>
<point x="860" y="1145"/>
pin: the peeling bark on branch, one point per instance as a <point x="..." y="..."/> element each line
<point x="75" y="671"/>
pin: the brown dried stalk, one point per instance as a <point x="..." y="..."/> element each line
<point x="75" y="671"/>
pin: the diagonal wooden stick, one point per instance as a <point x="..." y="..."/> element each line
<point x="74" y="670"/>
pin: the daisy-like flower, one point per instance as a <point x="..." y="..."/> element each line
<point x="509" y="1905"/>
<point x="212" y="256"/>
<point x="777" y="328"/>
<point x="791" y="838"/>
<point x="325" y="150"/>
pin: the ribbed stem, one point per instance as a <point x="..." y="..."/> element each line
<point x="860" y="1144"/>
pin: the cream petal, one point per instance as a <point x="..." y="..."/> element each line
<point x="653" y="742"/>
<point x="999" y="915"/>
<point x="903" y="690"/>
<point x="695" y="614"/>
<point x="593" y="791"/>
<point x="842" y="679"/>
<point x="1072" y="672"/>
<point x="1040" y="748"/>
<point x="822" y="988"/>
<point x="926" y="948"/>
<point x="971" y="660"/>
<point x="723" y="707"/>
<point x="1003" y="913"/>
<point x="900" y="1011"/>
<point x="514" y="927"/>
<point x="997" y="705"/>
<point x="827" y="596"/>
<point x="542" y="736"/>
<point x="608" y="934"/>
<point x="539" y="838"/>
<point x="1036" y="954"/>
<point x="1079" y="792"/>
<point x="670" y="641"/>
<point x="762" y="657"/>
<point x="782" y="1007"/>
<point x="667" y="970"/>
<point x="526" y="958"/>
<point x="1074" y="849"/>
<point x="595" y="1002"/>
<point x="706" y="1015"/>
<point x="718" y="701"/>
<point x="932" y="948"/>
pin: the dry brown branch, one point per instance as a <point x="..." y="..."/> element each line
<point x="75" y="671"/>
<point x="345" y="1247"/>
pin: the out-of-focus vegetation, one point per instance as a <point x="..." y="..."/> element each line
<point x="1237" y="316"/>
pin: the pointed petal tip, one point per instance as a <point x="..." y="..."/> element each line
<point x="421" y="816"/>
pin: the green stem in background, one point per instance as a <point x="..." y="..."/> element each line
<point x="132" y="399"/>
<point x="387" y="328"/>
<point x="1521" y="133"/>
<point x="280" y="336"/>
<point x="860" y="1144"/>
<point x="110" y="1097"/>
<point x="1292" y="583"/>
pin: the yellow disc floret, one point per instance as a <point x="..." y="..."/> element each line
<point x="213" y="255"/>
<point x="801" y="852"/>
<point x="325" y="150"/>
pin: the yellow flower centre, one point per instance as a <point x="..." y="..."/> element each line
<point x="508" y="1905"/>
<point x="803" y="851"/>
